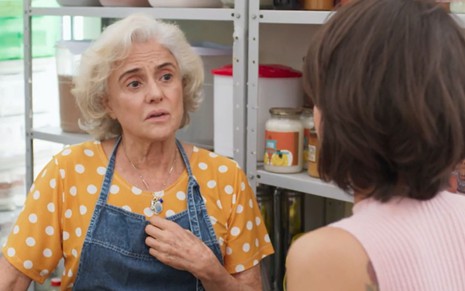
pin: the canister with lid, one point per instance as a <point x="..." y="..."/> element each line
<point x="283" y="140"/>
<point x="278" y="86"/>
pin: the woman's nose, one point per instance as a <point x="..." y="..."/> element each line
<point x="154" y="92"/>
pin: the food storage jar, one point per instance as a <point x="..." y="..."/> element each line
<point x="283" y="141"/>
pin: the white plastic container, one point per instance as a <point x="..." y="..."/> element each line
<point x="200" y="129"/>
<point x="283" y="141"/>
<point x="278" y="86"/>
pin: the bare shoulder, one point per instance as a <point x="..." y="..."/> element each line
<point x="328" y="258"/>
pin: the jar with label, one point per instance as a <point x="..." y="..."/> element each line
<point x="313" y="152"/>
<point x="318" y="4"/>
<point x="283" y="140"/>
<point x="308" y="124"/>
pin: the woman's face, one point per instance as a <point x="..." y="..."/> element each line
<point x="145" y="92"/>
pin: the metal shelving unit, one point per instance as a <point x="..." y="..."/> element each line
<point x="297" y="182"/>
<point x="301" y="181"/>
<point x="238" y="16"/>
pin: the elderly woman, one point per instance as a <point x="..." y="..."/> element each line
<point x="137" y="209"/>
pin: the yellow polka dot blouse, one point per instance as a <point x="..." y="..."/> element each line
<point x="61" y="202"/>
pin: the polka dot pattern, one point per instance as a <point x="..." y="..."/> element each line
<point x="101" y="170"/>
<point x="79" y="169"/>
<point x="33" y="218"/>
<point x="62" y="200"/>
<point x="73" y="191"/>
<point x="82" y="209"/>
<point x="228" y="189"/>
<point x="49" y="230"/>
<point x="47" y="253"/>
<point x="136" y="191"/>
<point x="181" y="195"/>
<point x="169" y="213"/>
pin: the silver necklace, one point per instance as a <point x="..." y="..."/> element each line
<point x="156" y="204"/>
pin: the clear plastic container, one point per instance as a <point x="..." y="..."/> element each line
<point x="68" y="55"/>
<point x="283" y="141"/>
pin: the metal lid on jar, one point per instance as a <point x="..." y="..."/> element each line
<point x="286" y="111"/>
<point x="307" y="111"/>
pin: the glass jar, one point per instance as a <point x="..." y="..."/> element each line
<point x="308" y="125"/>
<point x="318" y="4"/>
<point x="313" y="152"/>
<point x="283" y="140"/>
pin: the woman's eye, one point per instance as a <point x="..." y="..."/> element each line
<point x="134" y="84"/>
<point x="167" y="77"/>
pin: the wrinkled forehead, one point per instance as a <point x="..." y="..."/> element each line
<point x="147" y="50"/>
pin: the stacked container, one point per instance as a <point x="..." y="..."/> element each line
<point x="278" y="86"/>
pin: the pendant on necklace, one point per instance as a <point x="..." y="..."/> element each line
<point x="156" y="205"/>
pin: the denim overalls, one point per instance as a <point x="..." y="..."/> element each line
<point x="114" y="255"/>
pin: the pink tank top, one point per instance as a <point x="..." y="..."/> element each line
<point x="413" y="245"/>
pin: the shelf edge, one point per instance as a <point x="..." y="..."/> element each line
<point x="302" y="182"/>
<point x="221" y="14"/>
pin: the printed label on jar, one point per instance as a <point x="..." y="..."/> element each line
<point x="281" y="148"/>
<point x="312" y="148"/>
<point x="313" y="156"/>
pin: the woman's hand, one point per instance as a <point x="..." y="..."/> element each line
<point x="11" y="278"/>
<point x="179" y="248"/>
<point x="182" y="250"/>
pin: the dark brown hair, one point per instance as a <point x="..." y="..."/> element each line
<point x="388" y="77"/>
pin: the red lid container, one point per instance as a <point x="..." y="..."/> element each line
<point x="264" y="71"/>
<point x="55" y="282"/>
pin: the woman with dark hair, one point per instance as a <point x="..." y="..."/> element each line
<point x="387" y="78"/>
